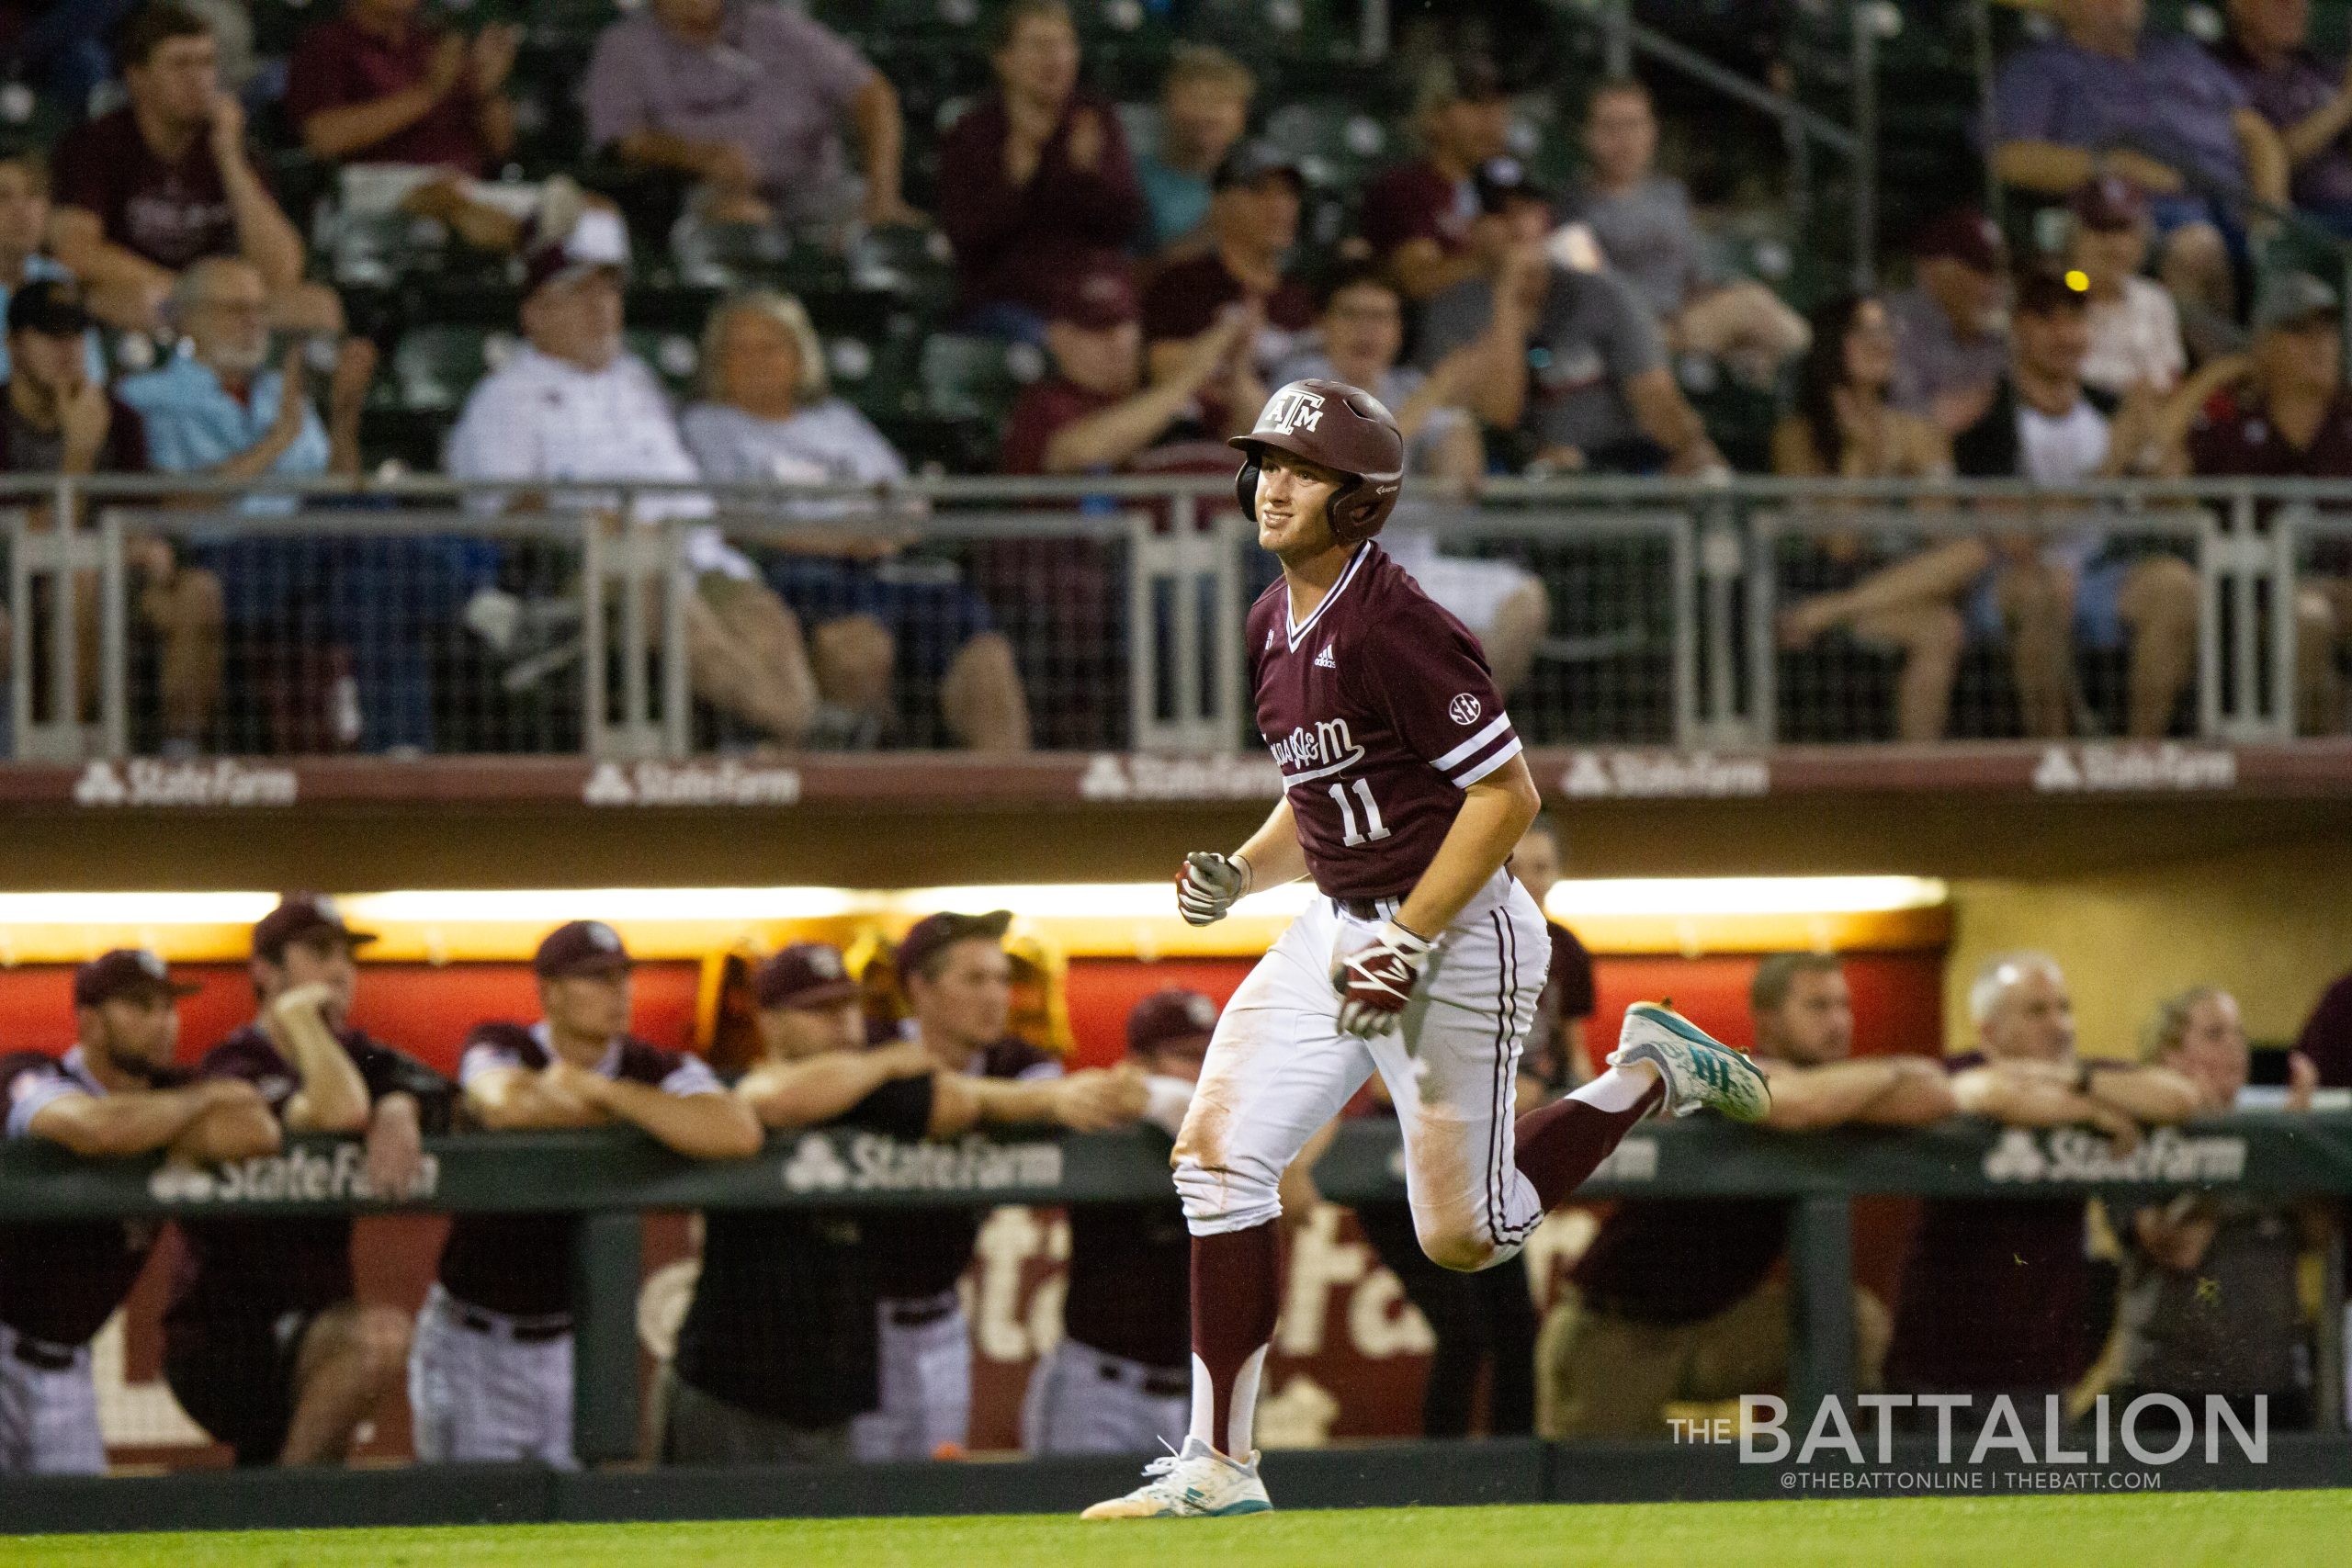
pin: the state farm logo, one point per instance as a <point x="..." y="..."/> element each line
<point x="1110" y="776"/>
<point x="1463" y="709"/>
<point x="2071" y="1154"/>
<point x="2167" y="766"/>
<point x="143" y="781"/>
<point x="298" y="1176"/>
<point x="724" y="783"/>
<point x="876" y="1164"/>
<point x="1294" y="409"/>
<point x="1663" y="775"/>
<point x="814" y="1167"/>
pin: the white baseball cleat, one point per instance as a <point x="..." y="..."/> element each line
<point x="1697" y="1068"/>
<point x="1197" y="1484"/>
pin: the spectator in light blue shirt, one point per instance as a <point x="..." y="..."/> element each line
<point x="324" y="620"/>
<point x="2158" y="110"/>
<point x="1204" y="109"/>
<point x="24" y="226"/>
<point x="219" y="408"/>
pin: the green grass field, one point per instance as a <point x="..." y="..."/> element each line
<point x="2236" y="1529"/>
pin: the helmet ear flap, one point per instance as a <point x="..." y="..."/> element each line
<point x="1245" y="486"/>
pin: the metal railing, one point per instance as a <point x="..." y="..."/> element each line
<point x="605" y="1178"/>
<point x="557" y="629"/>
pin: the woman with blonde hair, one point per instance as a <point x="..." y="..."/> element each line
<point x="768" y="416"/>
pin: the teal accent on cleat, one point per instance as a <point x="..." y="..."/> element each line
<point x="1697" y="1068"/>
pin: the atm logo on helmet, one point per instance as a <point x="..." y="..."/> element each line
<point x="1294" y="409"/>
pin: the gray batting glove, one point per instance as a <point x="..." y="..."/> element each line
<point x="1207" y="885"/>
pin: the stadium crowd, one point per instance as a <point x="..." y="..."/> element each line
<point x="293" y="254"/>
<point x="816" y="1334"/>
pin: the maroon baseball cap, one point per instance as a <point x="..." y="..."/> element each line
<point x="1097" y="295"/>
<point x="1964" y="234"/>
<point x="580" y="947"/>
<point x="2044" y="289"/>
<point x="126" y="971"/>
<point x="300" y="915"/>
<point x="1170" y="1018"/>
<point x="937" y="932"/>
<point x="805" y="975"/>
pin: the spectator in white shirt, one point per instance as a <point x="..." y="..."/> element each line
<point x="770" y="418"/>
<point x="2135" y="326"/>
<point x="572" y="406"/>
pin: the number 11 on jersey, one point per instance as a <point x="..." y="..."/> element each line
<point x="1353" y="832"/>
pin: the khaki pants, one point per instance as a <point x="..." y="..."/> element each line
<point x="1597" y="1375"/>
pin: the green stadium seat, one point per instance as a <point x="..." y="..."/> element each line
<point x="975" y="377"/>
<point x="435" y="366"/>
<point x="1337" y="142"/>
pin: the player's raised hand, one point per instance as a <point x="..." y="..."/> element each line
<point x="1208" y="883"/>
<point x="1376" y="980"/>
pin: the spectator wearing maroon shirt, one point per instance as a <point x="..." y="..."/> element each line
<point x="1037" y="171"/>
<point x="1423" y="220"/>
<point x="112" y="1095"/>
<point x="266" y="1342"/>
<point x="1056" y="599"/>
<point x="748" y="98"/>
<point x="1996" y="1297"/>
<point x="1252" y="225"/>
<point x="2327" y="1038"/>
<point x="1092" y="414"/>
<point x="1662" y="1309"/>
<point x="2291" y="418"/>
<point x="2306" y="99"/>
<point x="378" y="85"/>
<point x="168" y="180"/>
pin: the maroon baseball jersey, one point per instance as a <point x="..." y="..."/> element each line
<point x="1130" y="1282"/>
<point x="60" y="1283"/>
<point x="521" y="1264"/>
<point x="263" y="1268"/>
<point x="1380" y="711"/>
<point x="925" y="1252"/>
<point x="1996" y="1294"/>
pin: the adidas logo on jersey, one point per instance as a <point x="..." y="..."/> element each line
<point x="1324" y="661"/>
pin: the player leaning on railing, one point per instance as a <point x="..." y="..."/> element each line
<point x="113" y="1094"/>
<point x="1404" y="793"/>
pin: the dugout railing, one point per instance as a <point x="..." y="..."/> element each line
<point x="608" y="1178"/>
<point x="411" y="615"/>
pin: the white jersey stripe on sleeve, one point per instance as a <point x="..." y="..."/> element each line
<point x="1479" y="770"/>
<point x="35" y="1097"/>
<point x="1470" y="748"/>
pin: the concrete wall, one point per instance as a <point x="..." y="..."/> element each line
<point x="2272" y="924"/>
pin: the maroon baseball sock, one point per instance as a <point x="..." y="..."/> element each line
<point x="1561" y="1142"/>
<point x="1236" y="1291"/>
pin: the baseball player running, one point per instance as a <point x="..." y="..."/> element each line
<point x="113" y="1093"/>
<point x="490" y="1375"/>
<point x="1404" y="793"/>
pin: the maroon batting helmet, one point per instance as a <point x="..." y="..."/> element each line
<point x="1337" y="426"/>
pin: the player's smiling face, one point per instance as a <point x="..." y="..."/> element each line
<point x="1293" y="505"/>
